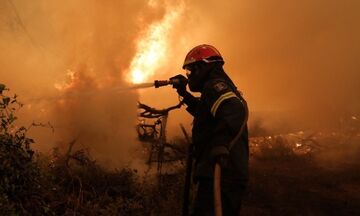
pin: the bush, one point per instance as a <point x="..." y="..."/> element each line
<point x="20" y="177"/>
<point x="71" y="182"/>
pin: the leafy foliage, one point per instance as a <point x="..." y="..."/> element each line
<point x="71" y="182"/>
<point x="20" y="177"/>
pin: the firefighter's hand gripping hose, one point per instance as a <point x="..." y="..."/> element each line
<point x="179" y="81"/>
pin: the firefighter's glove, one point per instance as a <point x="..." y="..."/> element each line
<point x="179" y="83"/>
<point x="220" y="155"/>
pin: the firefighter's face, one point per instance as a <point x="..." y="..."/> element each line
<point x="196" y="76"/>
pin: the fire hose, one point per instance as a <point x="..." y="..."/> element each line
<point x="217" y="169"/>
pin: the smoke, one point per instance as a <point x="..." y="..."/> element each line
<point x="64" y="59"/>
<point x="295" y="61"/>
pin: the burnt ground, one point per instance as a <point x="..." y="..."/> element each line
<point x="324" y="181"/>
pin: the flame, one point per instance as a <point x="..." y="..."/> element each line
<point x="66" y="85"/>
<point x="153" y="47"/>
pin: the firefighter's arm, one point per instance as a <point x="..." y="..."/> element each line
<point x="191" y="102"/>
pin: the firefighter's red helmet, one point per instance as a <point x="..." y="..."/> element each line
<point x="204" y="52"/>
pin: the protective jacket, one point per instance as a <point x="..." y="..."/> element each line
<point x="218" y="116"/>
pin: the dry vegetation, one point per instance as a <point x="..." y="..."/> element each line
<point x="293" y="174"/>
<point x="71" y="182"/>
<point x="302" y="177"/>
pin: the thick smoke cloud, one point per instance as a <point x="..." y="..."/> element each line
<point x="63" y="59"/>
<point x="295" y="61"/>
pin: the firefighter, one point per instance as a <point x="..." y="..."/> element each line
<point x="219" y="114"/>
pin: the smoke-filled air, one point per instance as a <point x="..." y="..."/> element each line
<point x="296" y="62"/>
<point x="84" y="69"/>
<point x="73" y="64"/>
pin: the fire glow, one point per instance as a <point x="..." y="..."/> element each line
<point x="153" y="47"/>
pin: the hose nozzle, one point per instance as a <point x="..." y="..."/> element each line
<point x="160" y="83"/>
<point x="178" y="81"/>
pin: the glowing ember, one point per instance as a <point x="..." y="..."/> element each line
<point x="153" y="47"/>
